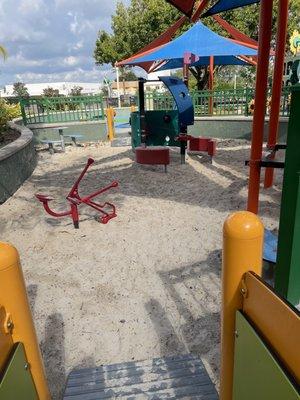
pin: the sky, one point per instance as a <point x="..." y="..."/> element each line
<point x="52" y="40"/>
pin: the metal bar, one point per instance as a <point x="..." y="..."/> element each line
<point x="277" y="82"/>
<point x="211" y="84"/>
<point x="265" y="30"/>
<point x="242" y="249"/>
<point x="142" y="110"/>
<point x="19" y="321"/>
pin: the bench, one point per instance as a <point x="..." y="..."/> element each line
<point x="153" y="156"/>
<point x="74" y="137"/>
<point x="51" y="144"/>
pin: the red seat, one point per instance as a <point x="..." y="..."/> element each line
<point x="152" y="155"/>
<point x="203" y="144"/>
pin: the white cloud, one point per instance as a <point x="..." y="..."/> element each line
<point x="52" y="39"/>
<point x="30" y="6"/>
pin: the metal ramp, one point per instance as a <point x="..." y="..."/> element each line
<point x="178" y="377"/>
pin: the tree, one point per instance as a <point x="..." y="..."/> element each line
<point x="127" y="75"/>
<point x="76" y="91"/>
<point x="50" y="92"/>
<point x="20" y="90"/>
<point x="135" y="26"/>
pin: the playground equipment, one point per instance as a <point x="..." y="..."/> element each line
<point x="153" y="156"/>
<point x="110" y="114"/>
<point x="75" y="200"/>
<point x="260" y="330"/>
<point x="166" y="127"/>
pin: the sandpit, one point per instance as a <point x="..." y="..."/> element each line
<point x="145" y="285"/>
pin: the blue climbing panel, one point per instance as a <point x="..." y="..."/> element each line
<point x="182" y="99"/>
<point x="270" y="246"/>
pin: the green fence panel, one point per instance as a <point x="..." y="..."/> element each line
<point x="37" y="110"/>
<point x="229" y="102"/>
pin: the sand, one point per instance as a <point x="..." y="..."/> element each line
<point x="145" y="285"/>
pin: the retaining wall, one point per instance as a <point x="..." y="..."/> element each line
<point x="17" y="161"/>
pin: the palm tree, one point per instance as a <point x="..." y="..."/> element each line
<point x="3" y="52"/>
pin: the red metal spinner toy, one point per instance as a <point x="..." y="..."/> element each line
<point x="74" y="198"/>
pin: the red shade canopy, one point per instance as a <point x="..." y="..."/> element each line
<point x="185" y="6"/>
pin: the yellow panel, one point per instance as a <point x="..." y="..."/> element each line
<point x="6" y="342"/>
<point x="275" y="320"/>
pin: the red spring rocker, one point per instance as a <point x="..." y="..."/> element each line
<point x="75" y="200"/>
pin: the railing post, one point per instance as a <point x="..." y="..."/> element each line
<point x="23" y="113"/>
<point x="19" y="323"/>
<point x="247" y="101"/>
<point x="261" y="86"/>
<point x="110" y="123"/>
<point x="102" y="108"/>
<point x="242" y="251"/>
<point x="277" y="84"/>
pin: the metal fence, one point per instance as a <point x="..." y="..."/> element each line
<point x="61" y="109"/>
<point x="91" y="108"/>
<point x="219" y="102"/>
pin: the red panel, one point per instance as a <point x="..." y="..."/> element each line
<point x="212" y="148"/>
<point x="186" y="6"/>
<point x="152" y="155"/>
<point x="203" y="144"/>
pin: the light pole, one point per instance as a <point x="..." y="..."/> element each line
<point x="118" y="87"/>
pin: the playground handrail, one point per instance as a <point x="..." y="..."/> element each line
<point x="18" y="321"/>
<point x="226" y="102"/>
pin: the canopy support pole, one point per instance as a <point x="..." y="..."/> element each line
<point x="199" y="10"/>
<point x="265" y="31"/>
<point x="186" y="74"/>
<point x="118" y="87"/>
<point x="277" y="84"/>
<point x="211" y="85"/>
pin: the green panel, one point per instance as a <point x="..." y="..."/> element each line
<point x="158" y="129"/>
<point x="36" y="110"/>
<point x="135" y="129"/>
<point x="257" y="375"/>
<point x="287" y="275"/>
<point x="17" y="383"/>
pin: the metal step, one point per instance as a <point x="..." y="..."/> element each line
<point x="178" y="377"/>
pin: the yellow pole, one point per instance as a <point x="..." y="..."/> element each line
<point x="19" y="321"/>
<point x="110" y="113"/>
<point x="242" y="251"/>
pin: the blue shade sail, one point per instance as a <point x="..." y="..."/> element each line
<point x="225" y="5"/>
<point x="204" y="61"/>
<point x="198" y="40"/>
